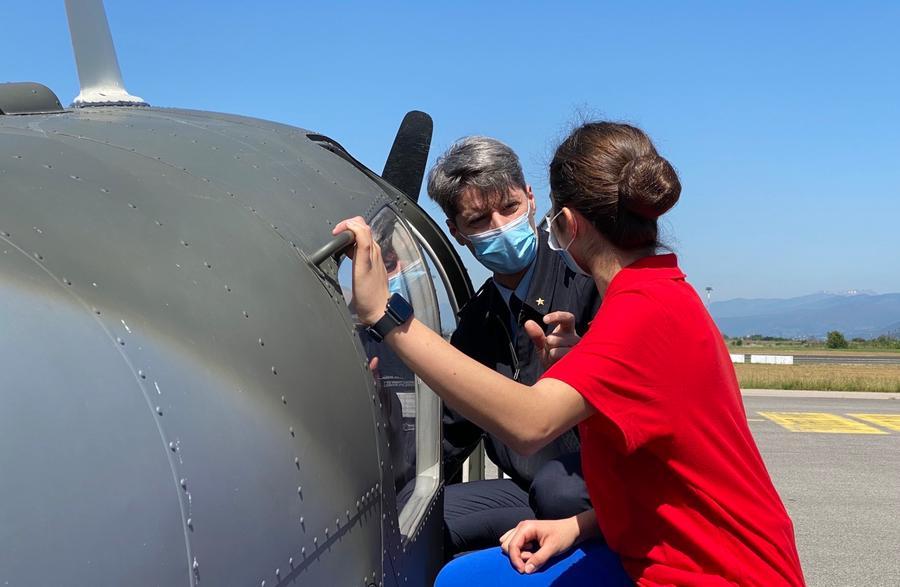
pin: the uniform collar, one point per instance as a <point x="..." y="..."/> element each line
<point x="539" y="284"/>
<point x="521" y="290"/>
<point x="646" y="269"/>
<point x="543" y="283"/>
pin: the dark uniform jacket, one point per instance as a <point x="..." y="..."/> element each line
<point x="484" y="334"/>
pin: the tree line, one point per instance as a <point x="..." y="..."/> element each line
<point x="833" y="340"/>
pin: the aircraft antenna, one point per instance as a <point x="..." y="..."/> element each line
<point x="95" y="55"/>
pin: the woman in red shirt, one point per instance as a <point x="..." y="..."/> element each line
<point x="681" y="494"/>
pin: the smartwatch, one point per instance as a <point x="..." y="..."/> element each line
<point x="398" y="312"/>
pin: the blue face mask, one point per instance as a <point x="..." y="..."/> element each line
<point x="508" y="249"/>
<point x="554" y="245"/>
<point x="400" y="283"/>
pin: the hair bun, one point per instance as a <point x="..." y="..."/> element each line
<point x="649" y="186"/>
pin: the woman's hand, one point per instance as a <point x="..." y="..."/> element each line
<point x="550" y="537"/>
<point x="559" y="342"/>
<point x="370" y="291"/>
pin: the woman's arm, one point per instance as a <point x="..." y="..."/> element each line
<point x="525" y="418"/>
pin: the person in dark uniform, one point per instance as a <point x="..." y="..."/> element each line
<point x="479" y="185"/>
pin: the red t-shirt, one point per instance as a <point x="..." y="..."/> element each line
<point x="680" y="490"/>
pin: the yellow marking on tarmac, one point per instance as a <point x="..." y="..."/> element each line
<point x="889" y="421"/>
<point x="819" y="422"/>
<point x="755" y="419"/>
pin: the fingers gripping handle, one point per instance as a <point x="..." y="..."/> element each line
<point x="332" y="247"/>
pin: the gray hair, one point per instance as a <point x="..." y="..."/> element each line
<point x="476" y="162"/>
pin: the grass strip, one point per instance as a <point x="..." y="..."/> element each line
<point x="879" y="378"/>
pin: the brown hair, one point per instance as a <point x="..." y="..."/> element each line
<point x="611" y="173"/>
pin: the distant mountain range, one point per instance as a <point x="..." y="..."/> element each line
<point x="855" y="314"/>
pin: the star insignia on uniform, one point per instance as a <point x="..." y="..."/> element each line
<point x="539" y="301"/>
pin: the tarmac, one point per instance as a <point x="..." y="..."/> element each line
<point x="835" y="459"/>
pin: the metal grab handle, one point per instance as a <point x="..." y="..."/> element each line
<point x="332" y="247"/>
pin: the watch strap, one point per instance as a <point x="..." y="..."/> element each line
<point x="384" y="325"/>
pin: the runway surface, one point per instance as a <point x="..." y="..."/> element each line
<point x="835" y="460"/>
<point x="848" y="359"/>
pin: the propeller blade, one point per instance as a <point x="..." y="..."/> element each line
<point x="405" y="165"/>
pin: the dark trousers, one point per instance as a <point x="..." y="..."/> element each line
<point x="478" y="513"/>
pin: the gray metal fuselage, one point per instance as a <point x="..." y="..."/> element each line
<point x="185" y="399"/>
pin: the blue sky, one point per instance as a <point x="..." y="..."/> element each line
<point x="782" y="118"/>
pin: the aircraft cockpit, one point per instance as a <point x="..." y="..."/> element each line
<point x="410" y="409"/>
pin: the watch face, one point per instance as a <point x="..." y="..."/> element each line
<point x="400" y="308"/>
